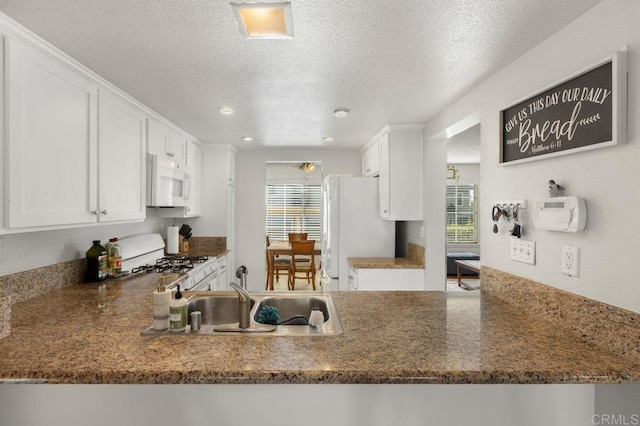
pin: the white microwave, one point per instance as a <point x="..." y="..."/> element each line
<point x="168" y="182"/>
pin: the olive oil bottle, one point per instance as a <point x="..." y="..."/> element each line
<point x="96" y="262"/>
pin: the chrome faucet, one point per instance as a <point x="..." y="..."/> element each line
<point x="241" y="273"/>
<point x="244" y="317"/>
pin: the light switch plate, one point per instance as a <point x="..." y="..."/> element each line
<point x="523" y="251"/>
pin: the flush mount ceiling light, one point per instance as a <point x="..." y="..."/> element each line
<point x="264" y="20"/>
<point x="247" y="138"/>
<point x="341" y="113"/>
<point x="225" y="110"/>
<point x="328" y="139"/>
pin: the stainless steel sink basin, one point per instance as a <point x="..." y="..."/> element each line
<point x="293" y="308"/>
<point x="216" y="309"/>
<point x="219" y="310"/>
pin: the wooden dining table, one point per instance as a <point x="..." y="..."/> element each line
<point x="283" y="248"/>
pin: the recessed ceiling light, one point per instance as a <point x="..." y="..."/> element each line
<point x="341" y="113"/>
<point x="328" y="139"/>
<point x="264" y="20"/>
<point x="225" y="110"/>
<point x="247" y="138"/>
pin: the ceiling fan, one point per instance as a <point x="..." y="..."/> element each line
<point x="305" y="167"/>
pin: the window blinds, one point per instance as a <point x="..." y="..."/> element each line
<point x="293" y="207"/>
<point x="462" y="213"/>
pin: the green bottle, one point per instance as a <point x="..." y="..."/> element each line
<point x="96" y="262"/>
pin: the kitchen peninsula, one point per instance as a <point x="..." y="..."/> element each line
<point x="389" y="337"/>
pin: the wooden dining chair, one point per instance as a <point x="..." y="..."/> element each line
<point x="275" y="264"/>
<point x="302" y="249"/>
<point x="298" y="236"/>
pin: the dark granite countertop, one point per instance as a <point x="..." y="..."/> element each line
<point x="389" y="337"/>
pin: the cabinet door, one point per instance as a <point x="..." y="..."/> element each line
<point x="384" y="181"/>
<point x="194" y="160"/>
<point x="158" y="137"/>
<point x="232" y="166"/>
<point x="371" y="160"/>
<point x="178" y="147"/>
<point x="52" y="141"/>
<point x="122" y="157"/>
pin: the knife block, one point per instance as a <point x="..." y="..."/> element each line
<point x="183" y="245"/>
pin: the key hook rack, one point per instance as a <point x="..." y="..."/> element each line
<point x="508" y="210"/>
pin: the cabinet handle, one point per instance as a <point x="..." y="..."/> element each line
<point x="103" y="211"/>
<point x="94" y="212"/>
<point x="170" y="154"/>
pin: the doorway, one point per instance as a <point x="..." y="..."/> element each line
<point x="293" y="204"/>
<point x="462" y="210"/>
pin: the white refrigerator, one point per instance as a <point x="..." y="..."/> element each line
<point x="351" y="227"/>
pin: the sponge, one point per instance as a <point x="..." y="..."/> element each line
<point x="269" y="315"/>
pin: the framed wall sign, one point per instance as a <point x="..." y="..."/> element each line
<point x="585" y="111"/>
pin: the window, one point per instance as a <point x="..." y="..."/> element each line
<point x="293" y="207"/>
<point x="462" y="213"/>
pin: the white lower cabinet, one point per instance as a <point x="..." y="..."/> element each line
<point x="386" y="279"/>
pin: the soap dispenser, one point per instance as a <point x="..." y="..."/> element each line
<point x="178" y="312"/>
<point x="161" y="306"/>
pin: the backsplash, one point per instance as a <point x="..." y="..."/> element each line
<point x="415" y="253"/>
<point x="604" y="325"/>
<point x="5" y="315"/>
<point x="207" y="245"/>
<point x="25" y="285"/>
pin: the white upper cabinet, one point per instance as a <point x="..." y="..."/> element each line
<point x="371" y="159"/>
<point x="166" y="142"/>
<point x="400" y="172"/>
<point x="158" y="137"/>
<point x="194" y="161"/>
<point x="178" y="146"/>
<point x="122" y="159"/>
<point x="51" y="141"/>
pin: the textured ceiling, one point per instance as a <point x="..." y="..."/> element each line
<point x="386" y="61"/>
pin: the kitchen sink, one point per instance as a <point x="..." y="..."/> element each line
<point x="216" y="309"/>
<point x="221" y="311"/>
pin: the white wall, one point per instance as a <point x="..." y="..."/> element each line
<point x="250" y="201"/>
<point x="22" y="252"/>
<point x="607" y="178"/>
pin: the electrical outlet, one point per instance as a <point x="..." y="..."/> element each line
<point x="523" y="251"/>
<point x="570" y="261"/>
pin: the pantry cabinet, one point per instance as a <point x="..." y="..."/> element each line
<point x="51" y="143"/>
<point x="122" y="160"/>
<point x="400" y="172"/>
